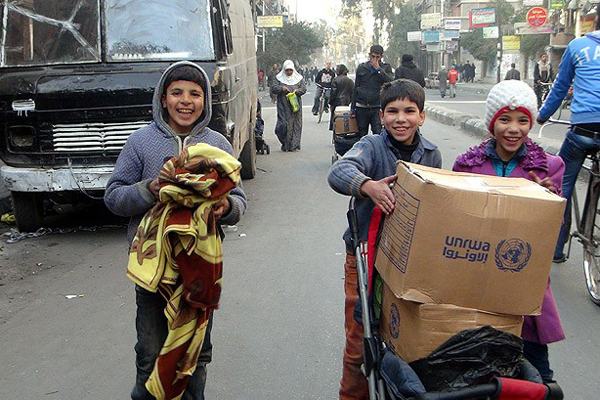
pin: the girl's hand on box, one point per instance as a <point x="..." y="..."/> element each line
<point x="380" y="193"/>
<point x="546" y="182"/>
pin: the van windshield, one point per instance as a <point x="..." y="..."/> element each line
<point x="42" y="32"/>
<point x="158" y="30"/>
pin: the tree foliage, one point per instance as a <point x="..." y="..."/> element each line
<point x="403" y="21"/>
<point x="485" y="49"/>
<point x="393" y="19"/>
<point x="480" y="48"/>
<point x="295" y="41"/>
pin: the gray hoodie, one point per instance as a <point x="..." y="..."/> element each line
<point x="146" y="151"/>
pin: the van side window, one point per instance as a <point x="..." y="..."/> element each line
<point x="223" y="22"/>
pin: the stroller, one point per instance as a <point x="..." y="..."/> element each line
<point x="259" y="129"/>
<point x="344" y="135"/>
<point x="391" y="378"/>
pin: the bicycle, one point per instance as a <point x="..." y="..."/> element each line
<point x="322" y="100"/>
<point x="587" y="229"/>
<point x="545" y="88"/>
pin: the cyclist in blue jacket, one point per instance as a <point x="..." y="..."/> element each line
<point x="579" y="66"/>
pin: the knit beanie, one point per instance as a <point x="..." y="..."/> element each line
<point x="510" y="95"/>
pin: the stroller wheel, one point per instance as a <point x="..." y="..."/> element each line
<point x="268" y="149"/>
<point x="334" y="158"/>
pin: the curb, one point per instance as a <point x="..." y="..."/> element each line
<point x="474" y="125"/>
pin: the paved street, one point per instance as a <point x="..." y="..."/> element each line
<point x="278" y="333"/>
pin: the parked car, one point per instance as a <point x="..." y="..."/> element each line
<point x="432" y="81"/>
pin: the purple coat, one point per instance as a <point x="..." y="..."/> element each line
<point x="545" y="328"/>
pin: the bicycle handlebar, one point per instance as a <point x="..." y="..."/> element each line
<point x="323" y="87"/>
<point x="552" y="121"/>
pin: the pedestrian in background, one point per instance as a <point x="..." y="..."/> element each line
<point x="289" y="122"/>
<point x="341" y="91"/>
<point x="323" y="81"/>
<point x="370" y="76"/>
<point x="409" y="70"/>
<point x="452" y="79"/>
<point x="443" y="78"/>
<point x="513" y="73"/>
<point x="271" y="78"/>
<point x="543" y="75"/>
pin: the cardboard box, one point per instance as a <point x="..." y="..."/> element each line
<point x="470" y="240"/>
<point x="414" y="330"/>
<point x="342" y="122"/>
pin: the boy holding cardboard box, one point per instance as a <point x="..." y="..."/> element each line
<point x="510" y="111"/>
<point x="366" y="172"/>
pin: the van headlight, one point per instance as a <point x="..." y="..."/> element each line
<point x="21" y="136"/>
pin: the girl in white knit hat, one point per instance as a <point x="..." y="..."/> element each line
<point x="511" y="108"/>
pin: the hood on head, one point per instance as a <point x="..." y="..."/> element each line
<point x="160" y="115"/>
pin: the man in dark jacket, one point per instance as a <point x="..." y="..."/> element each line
<point x="513" y="73"/>
<point x="409" y="70"/>
<point x="341" y="91"/>
<point x="365" y="97"/>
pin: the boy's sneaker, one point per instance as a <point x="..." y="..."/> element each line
<point x="560" y="260"/>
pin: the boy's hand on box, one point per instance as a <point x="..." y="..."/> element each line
<point x="380" y="193"/>
<point x="546" y="182"/>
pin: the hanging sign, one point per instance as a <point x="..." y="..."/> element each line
<point x="491" y="32"/>
<point x="431" y="36"/>
<point x="480" y="17"/>
<point x="413" y="36"/>
<point x="511" y="42"/>
<point x="537" y="16"/>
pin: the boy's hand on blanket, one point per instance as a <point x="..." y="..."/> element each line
<point x="380" y="193"/>
<point x="154" y="188"/>
<point x="546" y="182"/>
<point x="221" y="208"/>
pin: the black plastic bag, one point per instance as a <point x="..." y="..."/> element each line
<point x="471" y="357"/>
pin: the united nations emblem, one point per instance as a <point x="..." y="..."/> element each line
<point x="394" y="321"/>
<point x="512" y="254"/>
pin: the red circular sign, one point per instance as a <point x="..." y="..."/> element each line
<point x="537" y="16"/>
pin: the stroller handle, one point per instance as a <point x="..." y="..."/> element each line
<point x="499" y="387"/>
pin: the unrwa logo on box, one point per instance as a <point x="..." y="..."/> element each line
<point x="394" y="325"/>
<point x="512" y="254"/>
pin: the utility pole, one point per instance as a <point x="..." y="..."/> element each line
<point x="499" y="46"/>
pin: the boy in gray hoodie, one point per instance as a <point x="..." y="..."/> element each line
<point x="181" y="109"/>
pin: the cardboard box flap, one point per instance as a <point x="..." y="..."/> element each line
<point x="520" y="187"/>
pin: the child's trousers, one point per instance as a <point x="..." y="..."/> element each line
<point x="152" y="330"/>
<point x="354" y="384"/>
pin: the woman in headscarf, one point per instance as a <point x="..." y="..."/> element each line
<point x="289" y="123"/>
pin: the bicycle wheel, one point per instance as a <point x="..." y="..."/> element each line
<point x="591" y="244"/>
<point x="321" y="107"/>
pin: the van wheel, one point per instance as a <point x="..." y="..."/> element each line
<point x="28" y="210"/>
<point x="248" y="159"/>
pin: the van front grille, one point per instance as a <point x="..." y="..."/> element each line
<point x="92" y="137"/>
